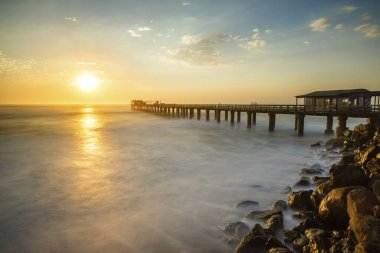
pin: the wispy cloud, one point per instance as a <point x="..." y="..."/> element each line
<point x="349" y="8"/>
<point x="268" y="31"/>
<point x="306" y="42"/>
<point x="256" y="42"/>
<point x="11" y="66"/>
<point x="319" y="25"/>
<point x="339" y="26"/>
<point x="144" y="29"/>
<point x="198" y="50"/>
<point x="366" y="16"/>
<point x="185" y="3"/>
<point x="369" y="30"/>
<point x="71" y="19"/>
<point x="134" y="34"/>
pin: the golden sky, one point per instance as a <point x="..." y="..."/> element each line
<point x="185" y="51"/>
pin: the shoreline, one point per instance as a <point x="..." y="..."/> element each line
<point x="340" y="213"/>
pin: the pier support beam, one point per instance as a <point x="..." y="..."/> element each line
<point x="232" y="117"/>
<point x="342" y="126"/>
<point x="329" y="125"/>
<point x="217" y="113"/>
<point x="272" y="121"/>
<point x="295" y="122"/>
<point x="254" y="118"/>
<point x="191" y="113"/>
<point x="198" y="114"/>
<point x="226" y="115"/>
<point x="178" y="113"/>
<point x="300" y="123"/>
<point x="238" y="117"/>
<point x="374" y="123"/>
<point x="207" y="115"/>
<point x="249" y="119"/>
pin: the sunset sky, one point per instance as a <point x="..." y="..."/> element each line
<point x="195" y="51"/>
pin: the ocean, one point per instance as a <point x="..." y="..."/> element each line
<point x="108" y="179"/>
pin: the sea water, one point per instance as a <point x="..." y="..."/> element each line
<point x="108" y="179"/>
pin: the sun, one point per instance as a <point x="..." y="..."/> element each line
<point x="87" y="82"/>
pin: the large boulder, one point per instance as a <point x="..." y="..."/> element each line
<point x="300" y="200"/>
<point x="350" y="175"/>
<point x="366" y="227"/>
<point x="318" y="242"/>
<point x="367" y="248"/>
<point x="319" y="193"/>
<point x="333" y="208"/>
<point x="369" y="153"/>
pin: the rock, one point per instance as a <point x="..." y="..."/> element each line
<point x="264" y="215"/>
<point x="279" y="250"/>
<point x="373" y="167"/>
<point x="376" y="211"/>
<point x="286" y="190"/>
<point x="314" y="145"/>
<point x="365" y="226"/>
<point x="349" y="175"/>
<point x="370" y="153"/>
<point x="317" y="240"/>
<point x="280" y="205"/>
<point x="346" y="160"/>
<point x="367" y="248"/>
<point x="306" y="224"/>
<point x="333" y="208"/>
<point x="237" y="229"/>
<point x="344" y="245"/>
<point x="304" y="181"/>
<point x="258" y="240"/>
<point x="319" y="193"/>
<point x="376" y="189"/>
<point x="310" y="171"/>
<point x="303" y="214"/>
<point x="290" y="235"/>
<point x="299" y="243"/>
<point x="274" y="223"/>
<point x="247" y="204"/>
<point x="319" y="180"/>
<point x="300" y="200"/>
<point x="338" y="142"/>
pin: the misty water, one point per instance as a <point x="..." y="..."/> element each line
<point x="107" y="179"/>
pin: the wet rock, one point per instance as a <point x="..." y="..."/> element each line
<point x="299" y="243"/>
<point x="290" y="236"/>
<point x="344" y="245"/>
<point x="367" y="248"/>
<point x="338" y="142"/>
<point x="319" y="193"/>
<point x="346" y="160"/>
<point x="319" y="180"/>
<point x="254" y="241"/>
<point x="237" y="229"/>
<point x="370" y="153"/>
<point x="314" y="145"/>
<point x="274" y="223"/>
<point x="310" y="171"/>
<point x="373" y="167"/>
<point x="280" y="205"/>
<point x="247" y="204"/>
<point x="279" y="250"/>
<point x="286" y="190"/>
<point x="349" y="175"/>
<point x="256" y="186"/>
<point x="303" y="214"/>
<point x="300" y="200"/>
<point x="376" y="189"/>
<point x="376" y="211"/>
<point x="264" y="215"/>
<point x="308" y="223"/>
<point x="304" y="181"/>
<point x="333" y="208"/>
<point x="365" y="226"/>
<point x="317" y="240"/>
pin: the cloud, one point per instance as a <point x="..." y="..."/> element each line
<point x="319" y="25"/>
<point x="144" y="29"/>
<point x="185" y="3"/>
<point x="268" y="31"/>
<point x="366" y="16"/>
<point x="369" y="31"/>
<point x="339" y="27"/>
<point x="71" y="19"/>
<point x="134" y="34"/>
<point x="255" y="44"/>
<point x="198" y="50"/>
<point x="10" y="66"/>
<point x="306" y="42"/>
<point x="349" y="8"/>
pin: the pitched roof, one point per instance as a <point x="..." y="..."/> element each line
<point x="335" y="93"/>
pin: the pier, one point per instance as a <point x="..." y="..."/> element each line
<point x="357" y="103"/>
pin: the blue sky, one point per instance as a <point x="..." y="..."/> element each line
<point x="173" y="50"/>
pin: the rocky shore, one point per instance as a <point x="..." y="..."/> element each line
<point x="341" y="214"/>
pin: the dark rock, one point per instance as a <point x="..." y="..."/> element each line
<point x="303" y="214"/>
<point x="280" y="205"/>
<point x="314" y="145"/>
<point x="237" y="229"/>
<point x="346" y="160"/>
<point x="376" y="211"/>
<point x="344" y="245"/>
<point x="290" y="235"/>
<point x="373" y="167"/>
<point x="367" y="248"/>
<point x="310" y="171"/>
<point x="304" y="181"/>
<point x="300" y="200"/>
<point x="256" y="186"/>
<point x="338" y="142"/>
<point x="366" y="227"/>
<point x="319" y="193"/>
<point x="299" y="243"/>
<point x="286" y="190"/>
<point x="370" y="153"/>
<point x="254" y="241"/>
<point x="306" y="224"/>
<point x="376" y="189"/>
<point x="274" y="223"/>
<point x="264" y="215"/>
<point x="247" y="204"/>
<point x="333" y="208"/>
<point x="349" y="175"/>
<point x="319" y="180"/>
<point x="273" y="242"/>
<point x="317" y="240"/>
<point x="279" y="250"/>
